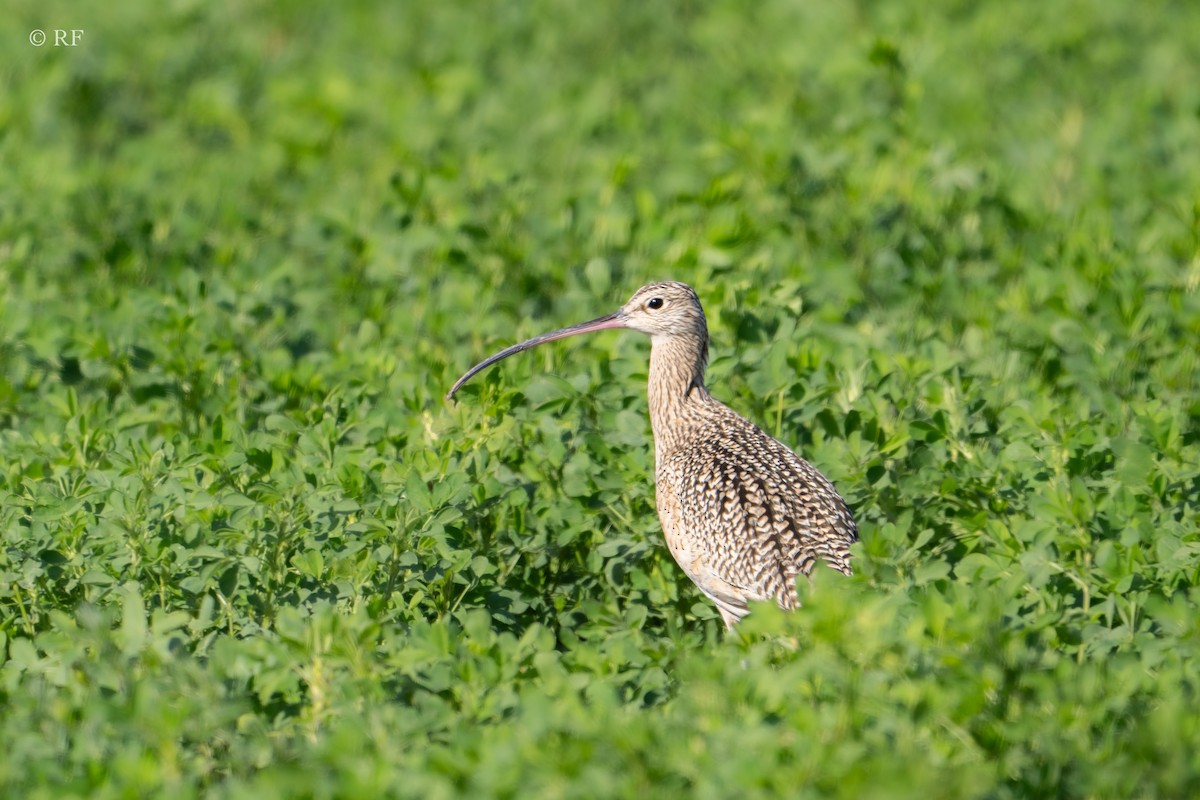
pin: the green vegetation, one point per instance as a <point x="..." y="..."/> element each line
<point x="949" y="251"/>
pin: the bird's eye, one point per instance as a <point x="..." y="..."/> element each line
<point x="654" y="303"/>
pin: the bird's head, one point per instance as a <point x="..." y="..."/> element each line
<point x="659" y="310"/>
<point x="665" y="309"/>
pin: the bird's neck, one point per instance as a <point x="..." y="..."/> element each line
<point x="676" y="386"/>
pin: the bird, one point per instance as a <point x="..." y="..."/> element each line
<point x="741" y="513"/>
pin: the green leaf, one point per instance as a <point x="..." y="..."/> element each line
<point x="133" y="620"/>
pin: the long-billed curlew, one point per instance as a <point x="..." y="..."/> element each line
<point x="743" y="515"/>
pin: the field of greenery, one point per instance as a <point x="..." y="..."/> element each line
<point x="949" y="251"/>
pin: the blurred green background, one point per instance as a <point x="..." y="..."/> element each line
<point x="949" y="252"/>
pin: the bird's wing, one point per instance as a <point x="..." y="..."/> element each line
<point x="760" y="515"/>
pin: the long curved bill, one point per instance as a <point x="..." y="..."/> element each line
<point x="613" y="320"/>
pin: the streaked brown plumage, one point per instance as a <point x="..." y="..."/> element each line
<point x="742" y="514"/>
